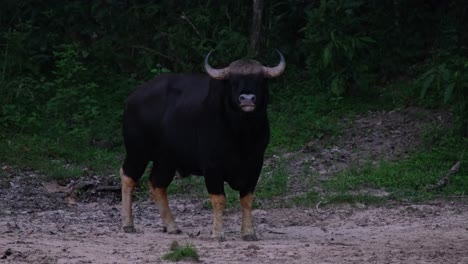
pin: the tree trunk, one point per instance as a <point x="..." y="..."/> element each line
<point x="256" y="27"/>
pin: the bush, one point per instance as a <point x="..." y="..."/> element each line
<point x="445" y="83"/>
<point x="338" y="49"/>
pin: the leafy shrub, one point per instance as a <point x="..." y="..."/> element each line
<point x="73" y="94"/>
<point x="17" y="80"/>
<point x="337" y="47"/>
<point x="445" y="82"/>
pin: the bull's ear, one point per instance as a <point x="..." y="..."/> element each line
<point x="219" y="74"/>
<point x="272" y="72"/>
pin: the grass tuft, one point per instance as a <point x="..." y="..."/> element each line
<point x="178" y="253"/>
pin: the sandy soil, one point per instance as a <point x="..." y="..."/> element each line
<point x="90" y="233"/>
<point x="43" y="222"/>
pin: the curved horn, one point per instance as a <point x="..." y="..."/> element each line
<point x="271" y="72"/>
<point x="219" y="74"/>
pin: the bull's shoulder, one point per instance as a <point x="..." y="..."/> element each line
<point x="170" y="87"/>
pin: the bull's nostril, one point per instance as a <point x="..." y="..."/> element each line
<point x="247" y="97"/>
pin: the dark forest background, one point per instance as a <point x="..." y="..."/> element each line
<point x="66" y="67"/>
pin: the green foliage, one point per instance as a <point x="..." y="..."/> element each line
<point x="445" y="82"/>
<point x="72" y="98"/>
<point x="273" y="182"/>
<point x="304" y="117"/>
<point x="296" y="117"/>
<point x="337" y="48"/>
<point x="17" y="80"/>
<point x="58" y="158"/>
<point x="308" y="199"/>
<point x="178" y="253"/>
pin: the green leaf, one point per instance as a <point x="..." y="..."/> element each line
<point x="84" y="54"/>
<point x="337" y="86"/>
<point x="332" y="36"/>
<point x="426" y="74"/>
<point x="448" y="92"/>
<point x="444" y="72"/>
<point x="327" y="55"/>
<point x="367" y="39"/>
<point x="427" y="82"/>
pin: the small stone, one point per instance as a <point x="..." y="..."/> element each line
<point x="253" y="247"/>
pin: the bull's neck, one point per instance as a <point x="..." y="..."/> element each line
<point x="249" y="125"/>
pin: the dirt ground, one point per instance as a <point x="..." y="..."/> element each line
<point x="90" y="233"/>
<point x="41" y="223"/>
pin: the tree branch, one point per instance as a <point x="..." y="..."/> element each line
<point x="445" y="180"/>
<point x="256" y="27"/>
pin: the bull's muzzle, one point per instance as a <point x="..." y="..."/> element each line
<point x="247" y="102"/>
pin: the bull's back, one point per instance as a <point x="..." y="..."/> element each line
<point x="162" y="116"/>
<point x="166" y="94"/>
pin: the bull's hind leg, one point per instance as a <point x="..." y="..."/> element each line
<point x="158" y="184"/>
<point x="128" y="187"/>
<point x="130" y="173"/>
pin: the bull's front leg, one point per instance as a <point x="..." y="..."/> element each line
<point x="247" y="229"/>
<point x="218" y="201"/>
<point x="215" y="186"/>
<point x="128" y="187"/>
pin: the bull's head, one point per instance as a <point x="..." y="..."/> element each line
<point x="247" y="80"/>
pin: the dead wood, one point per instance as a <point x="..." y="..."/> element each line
<point x="106" y="188"/>
<point x="445" y="180"/>
<point x="276" y="232"/>
<point x="320" y="210"/>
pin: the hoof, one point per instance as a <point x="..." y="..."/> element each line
<point x="175" y="231"/>
<point x="250" y="237"/>
<point x="172" y="231"/>
<point x="129" y="229"/>
<point x="220" y="238"/>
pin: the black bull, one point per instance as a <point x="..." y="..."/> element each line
<point x="215" y="126"/>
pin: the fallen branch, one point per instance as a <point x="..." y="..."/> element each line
<point x="108" y="188"/>
<point x="341" y="244"/>
<point x="319" y="210"/>
<point x="83" y="185"/>
<point x="276" y="232"/>
<point x="445" y="180"/>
